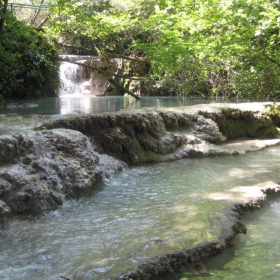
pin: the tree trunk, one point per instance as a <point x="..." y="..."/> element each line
<point x="124" y="89"/>
<point x="4" y="12"/>
<point x="36" y="14"/>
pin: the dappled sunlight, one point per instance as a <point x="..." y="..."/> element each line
<point x="255" y="142"/>
<point x="192" y="226"/>
<point x="248" y="172"/>
<point x="183" y="208"/>
<point x="183" y="227"/>
<point x="241" y="192"/>
<point x="243" y="146"/>
<point x="143" y="212"/>
<point x="254" y="191"/>
<point x="268" y="184"/>
<point x="233" y="147"/>
<point x="189" y="210"/>
<point x="248" y="191"/>
<point x="219" y="196"/>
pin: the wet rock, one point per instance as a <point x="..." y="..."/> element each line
<point x="9" y="152"/>
<point x="5" y="187"/>
<point x="208" y="130"/>
<point x="54" y="164"/>
<point x="4" y="209"/>
<point x="4" y="212"/>
<point x="172" y="262"/>
<point x="67" y="156"/>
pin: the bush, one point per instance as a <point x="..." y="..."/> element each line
<point x="28" y="62"/>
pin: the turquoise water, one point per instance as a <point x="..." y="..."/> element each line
<point x="92" y="105"/>
<point x="255" y="256"/>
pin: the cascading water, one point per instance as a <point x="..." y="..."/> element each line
<point x="72" y="78"/>
<point x="78" y="80"/>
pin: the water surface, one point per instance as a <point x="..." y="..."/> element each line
<point x="77" y="104"/>
<point x="142" y="212"/>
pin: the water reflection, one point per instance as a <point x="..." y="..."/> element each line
<point x="71" y="104"/>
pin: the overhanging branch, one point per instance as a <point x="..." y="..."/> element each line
<point x="109" y="55"/>
<point x="270" y="58"/>
<point x="104" y="71"/>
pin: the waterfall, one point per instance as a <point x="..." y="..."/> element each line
<point x="73" y="80"/>
<point x="79" y="80"/>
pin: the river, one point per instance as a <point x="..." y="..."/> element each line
<point x="144" y="211"/>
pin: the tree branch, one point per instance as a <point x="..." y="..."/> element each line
<point x="104" y="71"/>
<point x="270" y="58"/>
<point x="124" y="89"/>
<point x="43" y="21"/>
<point x="111" y="55"/>
<point x="36" y="14"/>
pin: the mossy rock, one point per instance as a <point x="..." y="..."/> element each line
<point x="239" y="128"/>
<point x="274" y="112"/>
<point x="268" y="132"/>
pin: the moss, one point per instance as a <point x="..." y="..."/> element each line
<point x="268" y="132"/>
<point x="239" y="128"/>
<point x="274" y="112"/>
<point x="151" y="156"/>
<point x="137" y="151"/>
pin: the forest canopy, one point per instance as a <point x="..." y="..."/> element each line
<point x="207" y="47"/>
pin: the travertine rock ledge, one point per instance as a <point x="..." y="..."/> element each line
<point x="44" y="160"/>
<point x="230" y="227"/>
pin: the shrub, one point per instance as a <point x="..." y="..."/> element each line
<point x="28" y="62"/>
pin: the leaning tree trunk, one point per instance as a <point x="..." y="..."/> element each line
<point x="2" y="18"/>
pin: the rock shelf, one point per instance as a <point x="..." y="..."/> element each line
<point x="59" y="157"/>
<point x="230" y="227"/>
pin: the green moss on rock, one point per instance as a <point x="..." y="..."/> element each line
<point x="239" y="128"/>
<point x="268" y="132"/>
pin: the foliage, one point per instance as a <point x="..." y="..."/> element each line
<point x="207" y="47"/>
<point x="28" y="63"/>
<point x="216" y="47"/>
<point x="216" y="43"/>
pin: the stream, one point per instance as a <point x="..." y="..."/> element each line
<point x="146" y="211"/>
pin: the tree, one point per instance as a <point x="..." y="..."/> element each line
<point x="216" y="47"/>
<point x="3" y="12"/>
<point x="28" y="62"/>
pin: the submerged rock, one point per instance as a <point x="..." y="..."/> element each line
<point x="68" y="156"/>
<point x="192" y="257"/>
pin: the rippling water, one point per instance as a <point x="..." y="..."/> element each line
<point x="142" y="212"/>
